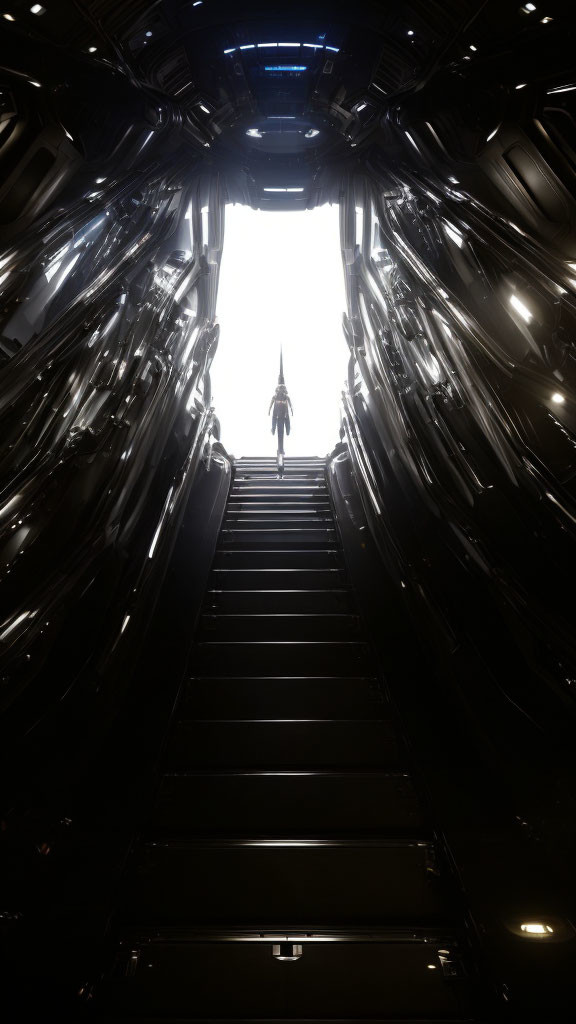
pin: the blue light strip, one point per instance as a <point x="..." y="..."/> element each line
<point x="285" y="67"/>
<point x="311" y="46"/>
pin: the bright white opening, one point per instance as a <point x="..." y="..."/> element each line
<point x="281" y="284"/>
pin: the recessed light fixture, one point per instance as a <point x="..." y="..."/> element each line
<point x="522" y="85"/>
<point x="360" y="107"/>
<point x="37" y="9"/>
<point x="410" y="32"/>
<point x="472" y="47"/>
<point x="202" y="107"/>
<point x="92" y="49"/>
<point x="148" y="34"/>
<point x="536" y="929"/>
<point x="9" y="17"/>
<point x="197" y="3"/>
<point x="530" y="7"/>
<point x="249" y="46"/>
<point x="558" y="399"/>
<point x="545" y="21"/>
<point x="492" y="134"/>
<point x="36" y="84"/>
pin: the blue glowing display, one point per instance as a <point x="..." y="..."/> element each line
<point x="285" y="67"/>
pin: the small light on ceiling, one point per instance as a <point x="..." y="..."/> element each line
<point x="92" y="49"/>
<point x="545" y="21"/>
<point x="202" y="107"/>
<point x="453" y="180"/>
<point x="197" y="3"/>
<point x="530" y="7"/>
<point x="360" y="107"/>
<point x="249" y="46"/>
<point x="492" y="134"/>
<point x="472" y="47"/>
<point x="536" y="929"/>
<point x="410" y="32"/>
<point x="99" y="180"/>
<point x="431" y="967"/>
<point x="520" y="308"/>
<point x="37" y="84"/>
<point x="231" y="50"/>
<point x="558" y="399"/>
<point x="254" y="133"/>
<point x="311" y="133"/>
<point x="148" y="34"/>
<point x="522" y="85"/>
<point x="37" y="9"/>
<point x="9" y="17"/>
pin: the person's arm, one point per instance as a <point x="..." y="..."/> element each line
<point x="271" y="404"/>
<point x="290" y="404"/>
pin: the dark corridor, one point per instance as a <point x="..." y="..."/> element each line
<point x="288" y="743"/>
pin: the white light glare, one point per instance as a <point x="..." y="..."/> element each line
<point x="37" y="84"/>
<point x="254" y="133"/>
<point x="360" y="107"/>
<point x="299" y="189"/>
<point x="9" y="17"/>
<point x="311" y="133"/>
<point x="197" y="3"/>
<point x="37" y="9"/>
<point x="520" y="308"/>
<point x="536" y="929"/>
<point x="249" y="46"/>
<point x="99" y="181"/>
<point x="231" y="50"/>
<point x="410" y="32"/>
<point x="530" y="7"/>
<point x="545" y="21"/>
<point x="92" y="49"/>
<point x="558" y="399"/>
<point x="522" y="85"/>
<point x="202" y="107"/>
<point x="454" y="235"/>
<point x="453" y="180"/>
<point x="492" y="134"/>
<point x="561" y="88"/>
<point x="472" y="47"/>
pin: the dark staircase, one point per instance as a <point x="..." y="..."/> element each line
<point x="288" y="871"/>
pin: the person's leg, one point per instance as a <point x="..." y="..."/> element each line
<point x="287" y="424"/>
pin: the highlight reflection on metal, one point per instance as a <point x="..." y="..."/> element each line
<point x="459" y="417"/>
<point x="106" y="343"/>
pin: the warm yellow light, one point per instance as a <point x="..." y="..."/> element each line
<point x="9" y="17"/>
<point x="559" y="400"/>
<point x="535" y="928"/>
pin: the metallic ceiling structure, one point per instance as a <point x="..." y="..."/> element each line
<point x="446" y="133"/>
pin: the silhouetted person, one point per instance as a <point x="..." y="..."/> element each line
<point x="281" y="407"/>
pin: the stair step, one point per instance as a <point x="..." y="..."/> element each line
<point x="281" y="579"/>
<point x="274" y="696"/>
<point x="287" y="536"/>
<point x="270" y="520"/>
<point x="289" y="803"/>
<point x="286" y="884"/>
<point x="283" y="743"/>
<point x="263" y="627"/>
<point x="278" y="601"/>
<point x="288" y="657"/>
<point x="277" y="558"/>
<point x="384" y="982"/>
